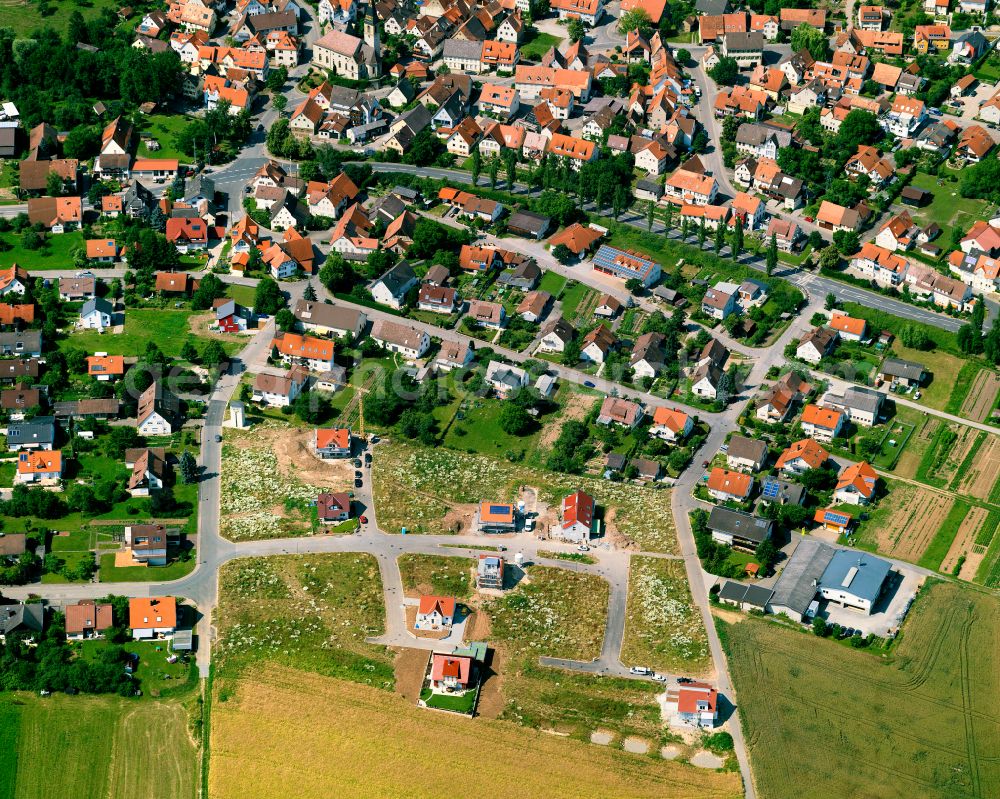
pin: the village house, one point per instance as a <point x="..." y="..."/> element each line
<point x="409" y="341"/>
<point x="623" y="412"/>
<point x="333" y="442"/>
<point x="150" y="470"/>
<point x="158" y="411"/>
<point x="746" y="454"/>
<point x="856" y="485"/>
<point x="726" y="485"/>
<point x="801" y="456"/>
<point x="670" y="424"/>
<point x="737" y="529"/>
<point x="597" y="344"/>
<point x="863" y="406"/>
<point x="823" y="424"/>
<point x="152" y="617"/>
<point x="42" y="466"/>
<point x="577" y="517"/>
<point x="279" y="391"/>
<point x="145" y="545"/>
<point x="333" y="507"/>
<point x="392" y="287"/>
<point x="86" y="619"/>
<point x="505" y="380"/>
<point x="435" y="613"/>
<point x="556" y="336"/>
<point x="817" y="344"/>
<point x="329" y="320"/>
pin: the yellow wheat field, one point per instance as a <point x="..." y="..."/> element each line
<point x="289" y="734"/>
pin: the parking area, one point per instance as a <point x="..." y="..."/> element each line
<point x="890" y="610"/>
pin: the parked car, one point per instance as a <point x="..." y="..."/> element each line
<point x="583" y="548"/>
<point x="640" y="670"/>
<point x="363" y="519"/>
<point x="358" y="483"/>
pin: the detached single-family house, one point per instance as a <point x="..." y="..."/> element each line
<point x="817" y="344"/>
<point x="856" y="485"/>
<point x="670" y="424"/>
<point x="333" y="507"/>
<point x="435" y="613"/>
<point x="152" y="617"/>
<point x="577" y="517"/>
<point x="87" y="619"/>
<point x="727" y="485"/>
<point x="898" y="372"/>
<point x="333" y="442"/>
<point x="801" y="456"/>
<point x="410" y="342"/>
<point x="96" y="314"/>
<point x="623" y="412"/>
<point x="823" y="424"/>
<point x="746" y="454"/>
<point x="737" y="529"/>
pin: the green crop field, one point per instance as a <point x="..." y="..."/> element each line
<point x="92" y="747"/>
<point x="824" y="720"/>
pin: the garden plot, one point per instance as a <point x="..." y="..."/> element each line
<point x="951" y="445"/>
<point x="270" y="480"/>
<point x="663" y="628"/>
<point x="575" y="408"/>
<point x="909" y="460"/>
<point x="977" y="477"/>
<point x="965" y="540"/>
<point x="907" y="522"/>
<point x="982" y="396"/>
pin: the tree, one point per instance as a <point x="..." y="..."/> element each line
<point x="831" y="301"/>
<point x="806" y="37"/>
<point x="563" y="254"/>
<point x="725" y="72"/>
<point x="268" y="298"/>
<point x="188" y="352"/>
<point x="310" y="293"/>
<point x="510" y="167"/>
<point x="213" y="354"/>
<point x="766" y="554"/>
<point x="285" y="320"/>
<point x="738" y="238"/>
<point x="514" y="420"/>
<point x="312" y="407"/>
<point x="720" y="237"/>
<point x="210" y="288"/>
<point x="683" y="56"/>
<point x="575" y="30"/>
<point x="847" y="242"/>
<point x="280" y="102"/>
<point x="650" y="214"/>
<point x="829" y="258"/>
<point x="336" y="274"/>
<point x="914" y="337"/>
<point x="633" y="285"/>
<point x="493" y="170"/>
<point x="819" y="627"/>
<point x="702" y="232"/>
<point x="53" y="184"/>
<point x="188" y="467"/>
<point x="276" y="79"/>
<point x="771" y="260"/>
<point x="982" y="180"/>
<point x="477" y="165"/>
<point x="636" y="19"/>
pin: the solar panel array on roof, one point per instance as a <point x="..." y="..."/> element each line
<point x="837" y="518"/>
<point x="771" y="489"/>
<point x="623" y="263"/>
<point x="498" y="509"/>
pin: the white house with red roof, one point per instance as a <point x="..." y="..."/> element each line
<point x="333" y="442"/>
<point x="451" y="672"/>
<point x="697" y="704"/>
<point x="577" y="517"/>
<point x="671" y="424"/>
<point x="435" y="613"/>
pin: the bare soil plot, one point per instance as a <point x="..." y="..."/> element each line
<point x="921" y="438"/>
<point x="410" y="667"/>
<point x="965" y="538"/>
<point x="904" y="530"/>
<point x="978" y="478"/>
<point x="981" y="397"/>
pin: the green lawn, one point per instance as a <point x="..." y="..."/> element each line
<point x="537" y="44"/>
<point x="574" y="295"/>
<point x="941" y="543"/>
<point x="163" y="128"/>
<point x="476" y="429"/>
<point x="172" y="571"/>
<point x="244" y="295"/>
<point x="25" y="17"/>
<point x="552" y="282"/>
<point x="463" y="703"/>
<point x="169" y="328"/>
<point x="944" y="369"/>
<point x="58" y="254"/>
<point x="948" y="208"/>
